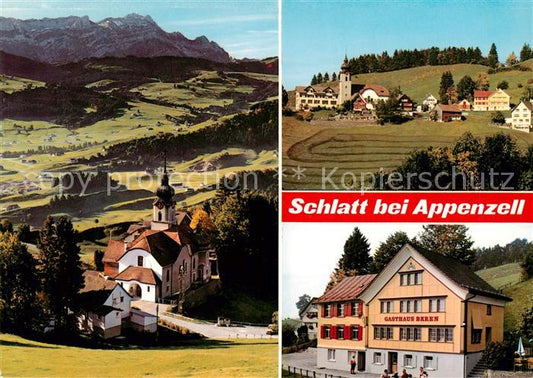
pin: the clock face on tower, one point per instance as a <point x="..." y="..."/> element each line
<point x="159" y="205"/>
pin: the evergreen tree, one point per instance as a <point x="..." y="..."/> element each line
<point x="504" y="84"/>
<point x="319" y="78"/>
<point x="334" y="76"/>
<point x="314" y="80"/>
<point x="18" y="285"/>
<point x="6" y="225"/>
<point x="98" y="257"/>
<point x="450" y="240"/>
<point x="60" y="267"/>
<point x="326" y="77"/>
<point x="465" y="88"/>
<point x="356" y="254"/>
<point x="388" y="249"/>
<point x="526" y="53"/>
<point x="284" y="97"/>
<point x="492" y="58"/>
<point x="446" y="81"/>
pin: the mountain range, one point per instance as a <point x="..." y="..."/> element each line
<point x="71" y="39"/>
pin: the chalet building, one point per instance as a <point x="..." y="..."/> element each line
<point x="430" y="101"/>
<point x="422" y="309"/>
<point x="312" y="96"/>
<point x="464" y="105"/>
<point x="522" y="116"/>
<point x="491" y="100"/>
<point x="405" y="104"/>
<point x="447" y="113"/>
<point x="163" y="258"/>
<point x="309" y="317"/>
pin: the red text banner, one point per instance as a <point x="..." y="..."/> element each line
<point x="420" y="207"/>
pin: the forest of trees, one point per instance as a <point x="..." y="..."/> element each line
<point x="433" y="56"/>
<point x="495" y="163"/>
<point x="256" y="129"/>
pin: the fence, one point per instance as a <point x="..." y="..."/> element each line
<point x="287" y="370"/>
<point x="251" y="336"/>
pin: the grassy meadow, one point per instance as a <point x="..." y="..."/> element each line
<point x="203" y="358"/>
<point x="324" y="145"/>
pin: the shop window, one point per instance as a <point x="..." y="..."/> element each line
<point x="331" y="354"/>
<point x="408" y="360"/>
<point x="429" y="363"/>
<point x="377" y="358"/>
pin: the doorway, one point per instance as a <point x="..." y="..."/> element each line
<point x="135" y="291"/>
<point x="488" y="335"/>
<point x="361" y="359"/>
<point x="393" y="362"/>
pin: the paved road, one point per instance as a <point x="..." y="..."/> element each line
<point x="306" y="360"/>
<point x="209" y="330"/>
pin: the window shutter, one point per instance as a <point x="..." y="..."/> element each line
<point x="360" y="309"/>
<point x="322" y="330"/>
<point x="359" y="333"/>
<point x="333" y="310"/>
<point x="347" y="333"/>
<point x="348" y="309"/>
<point x="323" y="306"/>
<point x="333" y="332"/>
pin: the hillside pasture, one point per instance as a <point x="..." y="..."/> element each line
<point x="502" y="276"/>
<point x="199" y="358"/>
<point x="321" y="146"/>
<point x="10" y="84"/>
<point x="522" y="295"/>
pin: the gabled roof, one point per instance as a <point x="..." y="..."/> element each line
<point x="165" y="246"/>
<point x="528" y="104"/>
<point x="348" y="289"/>
<point x="316" y="88"/>
<point x="449" y="108"/>
<point x="461" y="274"/>
<point x="96" y="281"/>
<point x="379" y="89"/>
<point x="459" y="278"/>
<point x="114" y="251"/>
<point x="313" y="301"/>
<point x="138" y="273"/>
<point x="483" y="93"/>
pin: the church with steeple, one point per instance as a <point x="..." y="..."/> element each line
<point x="334" y="94"/>
<point x="161" y="259"/>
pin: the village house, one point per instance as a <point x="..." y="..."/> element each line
<point x="491" y="100"/>
<point x="422" y="309"/>
<point x="430" y="101"/>
<point x="309" y="317"/>
<point x="105" y="308"/>
<point x="160" y="260"/>
<point x="447" y="113"/>
<point x="464" y="104"/>
<point x="405" y="104"/>
<point x="521" y="116"/>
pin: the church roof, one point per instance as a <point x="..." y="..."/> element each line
<point x="138" y="273"/>
<point x="165" y="246"/>
<point x="114" y="251"/>
<point x="379" y="89"/>
<point x="348" y="289"/>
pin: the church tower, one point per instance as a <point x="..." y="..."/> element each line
<point x="164" y="212"/>
<point x="345" y="82"/>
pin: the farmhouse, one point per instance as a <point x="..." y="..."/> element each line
<point x="430" y="101"/>
<point x="521" y="116"/>
<point x="309" y="317"/>
<point x="464" y="104"/>
<point x="491" y="100"/>
<point x="446" y="113"/>
<point x="161" y="259"/>
<point x="422" y="309"/>
<point x="405" y="104"/>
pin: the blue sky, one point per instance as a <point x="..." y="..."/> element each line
<point x="317" y="33"/>
<point x="244" y="28"/>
